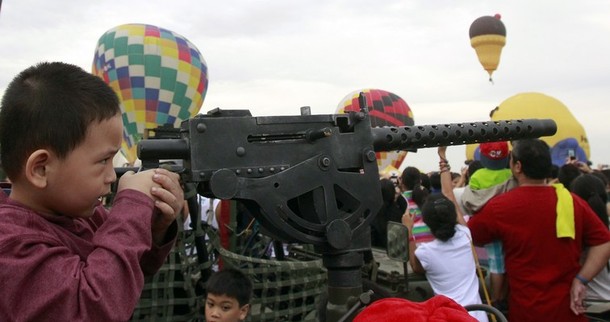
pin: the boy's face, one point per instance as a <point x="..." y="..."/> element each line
<point x="76" y="183"/>
<point x="222" y="308"/>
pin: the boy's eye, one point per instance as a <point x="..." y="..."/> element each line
<point x="226" y="307"/>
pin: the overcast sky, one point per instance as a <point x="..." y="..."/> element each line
<point x="274" y="56"/>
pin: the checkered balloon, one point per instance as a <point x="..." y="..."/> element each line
<point x="385" y="109"/>
<point x="159" y="76"/>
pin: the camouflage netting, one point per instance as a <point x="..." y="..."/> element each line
<point x="173" y="293"/>
<point x="283" y="290"/>
<point x="286" y="290"/>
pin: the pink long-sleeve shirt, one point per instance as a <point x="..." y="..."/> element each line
<point x="64" y="269"/>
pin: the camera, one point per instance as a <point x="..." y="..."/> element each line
<point x="571" y="154"/>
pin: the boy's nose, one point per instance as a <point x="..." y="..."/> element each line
<point x="215" y="313"/>
<point x="111" y="175"/>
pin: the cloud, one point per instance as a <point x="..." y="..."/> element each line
<point x="274" y="56"/>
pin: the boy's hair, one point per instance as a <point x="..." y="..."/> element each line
<point x="232" y="283"/>
<point x="50" y="106"/>
<point x="535" y="158"/>
<point x="439" y="215"/>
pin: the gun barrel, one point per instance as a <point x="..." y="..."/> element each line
<point x="424" y="136"/>
<point x="120" y="171"/>
<point x="163" y="149"/>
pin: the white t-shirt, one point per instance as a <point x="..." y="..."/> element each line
<point x="206" y="211"/>
<point x="599" y="287"/>
<point x="451" y="270"/>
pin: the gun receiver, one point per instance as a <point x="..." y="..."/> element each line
<point x="311" y="178"/>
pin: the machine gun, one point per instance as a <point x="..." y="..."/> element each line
<point x="312" y="178"/>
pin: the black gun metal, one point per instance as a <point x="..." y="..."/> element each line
<point x="312" y="178"/>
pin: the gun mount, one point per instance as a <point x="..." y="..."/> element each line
<point x="312" y="178"/>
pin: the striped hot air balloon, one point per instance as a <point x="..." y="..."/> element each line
<point x="161" y="78"/>
<point x="385" y="109"/>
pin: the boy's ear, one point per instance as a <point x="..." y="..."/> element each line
<point x="36" y="171"/>
<point x="243" y="312"/>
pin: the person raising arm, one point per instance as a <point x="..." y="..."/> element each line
<point x="448" y="260"/>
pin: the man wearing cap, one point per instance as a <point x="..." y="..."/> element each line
<point x="494" y="157"/>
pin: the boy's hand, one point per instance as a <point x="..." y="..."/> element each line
<point x="164" y="188"/>
<point x="169" y="199"/>
<point x="141" y="181"/>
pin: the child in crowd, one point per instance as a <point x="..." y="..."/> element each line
<point x="228" y="296"/>
<point x="448" y="260"/>
<point x="64" y="257"/>
<point x="494" y="157"/>
<point x="414" y="192"/>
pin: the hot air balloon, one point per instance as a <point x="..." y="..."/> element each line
<point x="385" y="109"/>
<point x="488" y="37"/>
<point x="570" y="136"/>
<point x="159" y="76"/>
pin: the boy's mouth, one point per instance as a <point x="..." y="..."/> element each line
<point x="106" y="195"/>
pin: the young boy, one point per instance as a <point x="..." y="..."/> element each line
<point x="228" y="296"/>
<point x="494" y="157"/>
<point x="64" y="257"/>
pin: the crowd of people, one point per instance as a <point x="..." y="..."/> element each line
<point x="546" y="225"/>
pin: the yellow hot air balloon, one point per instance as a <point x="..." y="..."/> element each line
<point x="488" y="37"/>
<point x="570" y="136"/>
<point x="389" y="172"/>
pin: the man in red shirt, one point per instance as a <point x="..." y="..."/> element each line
<point x="544" y="229"/>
